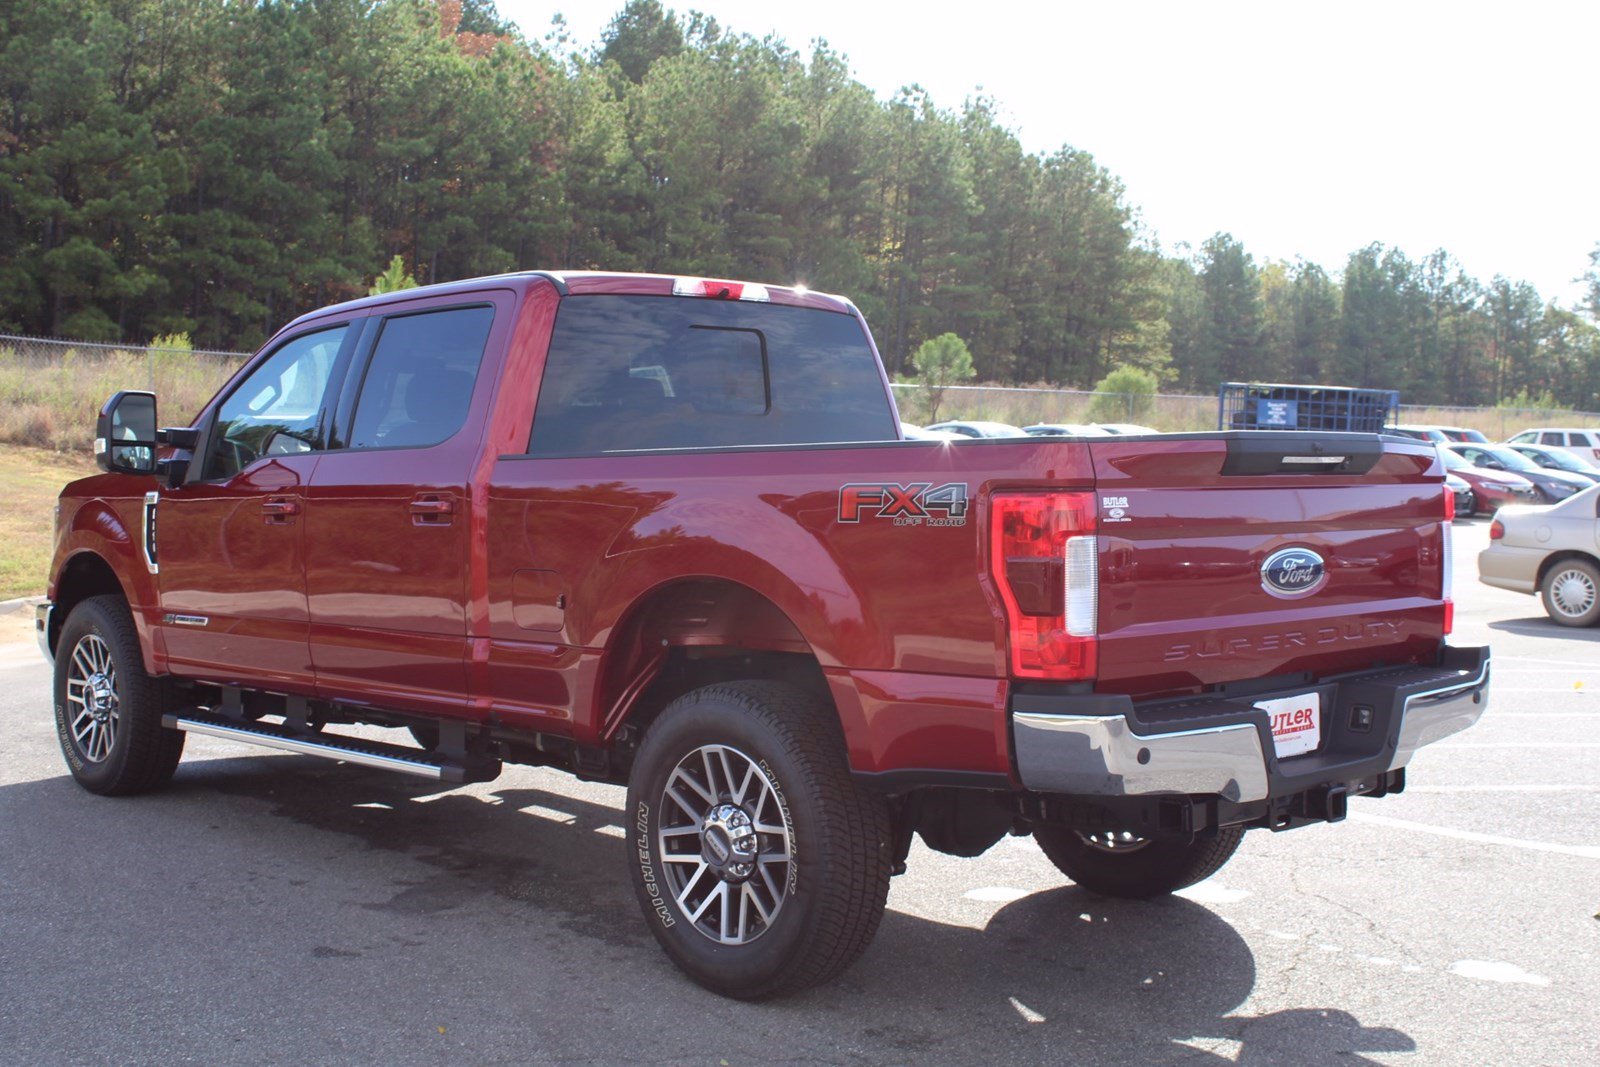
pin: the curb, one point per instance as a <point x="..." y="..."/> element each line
<point x="8" y="606"/>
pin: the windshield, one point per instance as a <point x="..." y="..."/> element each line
<point x="1451" y="461"/>
<point x="1513" y="460"/>
<point x="1565" y="461"/>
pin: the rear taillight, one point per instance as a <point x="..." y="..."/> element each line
<point x="1497" y="530"/>
<point x="1045" y="560"/>
<point x="1447" y="560"/>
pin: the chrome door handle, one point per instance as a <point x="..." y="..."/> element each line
<point x="279" y="510"/>
<point x="432" y="510"/>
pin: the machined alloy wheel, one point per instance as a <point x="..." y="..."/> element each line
<point x="759" y="864"/>
<point x="1118" y="863"/>
<point x="107" y="709"/>
<point x="1572" y="592"/>
<point x="724" y="844"/>
<point x="93" y="705"/>
<point x="1116" y="841"/>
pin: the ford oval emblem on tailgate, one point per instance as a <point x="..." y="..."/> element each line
<point x="1293" y="572"/>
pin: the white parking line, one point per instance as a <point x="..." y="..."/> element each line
<point x="1500" y="661"/>
<point x="1559" y="689"/>
<point x="1521" y="744"/>
<point x="1592" y="716"/>
<point x="1496" y="971"/>
<point x="1588" y="852"/>
<point x="1502" y="789"/>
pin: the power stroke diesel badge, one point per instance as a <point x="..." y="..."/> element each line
<point x="1290" y="573"/>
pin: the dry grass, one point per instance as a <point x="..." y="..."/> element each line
<point x="31" y="479"/>
<point x="50" y="400"/>
<point x="1024" y="407"/>
<point x="1174" y="413"/>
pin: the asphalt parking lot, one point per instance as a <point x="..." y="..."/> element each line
<point x="280" y="909"/>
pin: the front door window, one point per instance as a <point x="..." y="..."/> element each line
<point x="277" y="409"/>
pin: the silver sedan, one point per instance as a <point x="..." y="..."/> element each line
<point x="1552" y="551"/>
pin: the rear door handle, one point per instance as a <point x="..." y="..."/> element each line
<point x="430" y="510"/>
<point x="279" y="510"/>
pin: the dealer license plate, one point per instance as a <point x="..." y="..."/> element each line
<point x="1296" y="723"/>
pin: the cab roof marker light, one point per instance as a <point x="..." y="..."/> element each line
<point x="719" y="290"/>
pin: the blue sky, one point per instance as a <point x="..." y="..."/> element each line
<point x="1303" y="128"/>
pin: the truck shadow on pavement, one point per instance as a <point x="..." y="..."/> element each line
<point x="1542" y="626"/>
<point x="1057" y="976"/>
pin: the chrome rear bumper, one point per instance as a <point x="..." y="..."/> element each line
<point x="1101" y="755"/>
<point x="1113" y="753"/>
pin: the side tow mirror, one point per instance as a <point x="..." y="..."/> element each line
<point x="184" y="440"/>
<point x="125" y="434"/>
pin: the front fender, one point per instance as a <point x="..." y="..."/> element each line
<point x="110" y="531"/>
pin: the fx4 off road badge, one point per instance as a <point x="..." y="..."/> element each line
<point x="917" y="504"/>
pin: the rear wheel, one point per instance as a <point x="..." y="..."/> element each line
<point x="107" y="709"/>
<point x="1571" y="592"/>
<point x="1121" y="864"/>
<point x="760" y="866"/>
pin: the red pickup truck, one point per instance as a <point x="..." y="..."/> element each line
<point x="664" y="532"/>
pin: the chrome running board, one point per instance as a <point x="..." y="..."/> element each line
<point x="440" y="768"/>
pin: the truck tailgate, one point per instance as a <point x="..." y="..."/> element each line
<point x="1188" y="526"/>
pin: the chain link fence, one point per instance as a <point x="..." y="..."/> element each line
<point x="51" y="390"/>
<point x="1175" y="413"/>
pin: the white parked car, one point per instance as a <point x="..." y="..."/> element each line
<point x="962" y="428"/>
<point x="1585" y="444"/>
<point x="1551" y="551"/>
<point x="912" y="432"/>
<point x="1065" y="429"/>
<point x="1132" y="429"/>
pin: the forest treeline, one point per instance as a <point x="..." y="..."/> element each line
<point x="213" y="168"/>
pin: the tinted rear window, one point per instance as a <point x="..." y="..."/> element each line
<point x="420" y="379"/>
<point x="639" y="372"/>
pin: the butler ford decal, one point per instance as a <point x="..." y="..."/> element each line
<point x="918" y="504"/>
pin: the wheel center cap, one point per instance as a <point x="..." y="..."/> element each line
<point x="728" y="842"/>
<point x="98" y="696"/>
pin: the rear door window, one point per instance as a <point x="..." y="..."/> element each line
<point x="419" y="380"/>
<point x="637" y="372"/>
<point x="1548" y="438"/>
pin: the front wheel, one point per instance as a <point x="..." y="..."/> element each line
<point x="760" y="866"/>
<point x="1120" y="864"/>
<point x="107" y="709"/>
<point x="1571" y="592"/>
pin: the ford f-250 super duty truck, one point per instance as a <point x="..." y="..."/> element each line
<point x="663" y="532"/>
